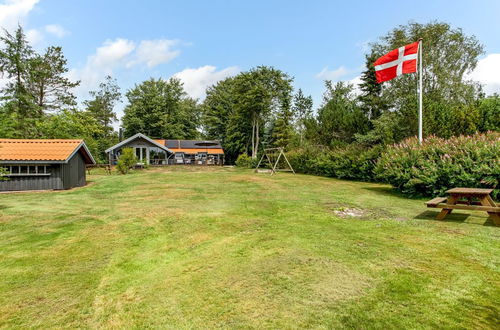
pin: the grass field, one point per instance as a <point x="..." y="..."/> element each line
<point x="220" y="247"/>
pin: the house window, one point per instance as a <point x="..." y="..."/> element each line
<point x="157" y="156"/>
<point x="142" y="154"/>
<point x="28" y="170"/>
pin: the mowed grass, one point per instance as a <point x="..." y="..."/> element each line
<point x="191" y="247"/>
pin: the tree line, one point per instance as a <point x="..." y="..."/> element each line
<point x="257" y="108"/>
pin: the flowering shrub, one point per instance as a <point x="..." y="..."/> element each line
<point x="428" y="169"/>
<point x="440" y="164"/>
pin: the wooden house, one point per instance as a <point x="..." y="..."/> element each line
<point x="43" y="164"/>
<point x="169" y="152"/>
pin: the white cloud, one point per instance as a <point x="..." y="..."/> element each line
<point x="34" y="37"/>
<point x="487" y="73"/>
<point x="197" y="80"/>
<point x="327" y="74"/>
<point x="119" y="54"/>
<point x="56" y="30"/>
<point x="112" y="54"/>
<point x="154" y="52"/>
<point x="13" y="12"/>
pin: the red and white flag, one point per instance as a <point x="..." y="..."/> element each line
<point x="396" y="62"/>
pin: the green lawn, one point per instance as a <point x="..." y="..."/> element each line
<point x="219" y="247"/>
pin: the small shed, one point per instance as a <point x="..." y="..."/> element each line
<point x="43" y="164"/>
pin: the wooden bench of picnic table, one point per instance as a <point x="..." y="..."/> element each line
<point x="476" y="199"/>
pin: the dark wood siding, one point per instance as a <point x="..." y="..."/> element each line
<point x="53" y="181"/>
<point x="63" y="176"/>
<point x="74" y="172"/>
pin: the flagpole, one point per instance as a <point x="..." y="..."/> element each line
<point x="420" y="91"/>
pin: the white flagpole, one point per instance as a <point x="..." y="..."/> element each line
<point x="420" y="91"/>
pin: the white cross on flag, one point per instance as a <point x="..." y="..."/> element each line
<point x="396" y="62"/>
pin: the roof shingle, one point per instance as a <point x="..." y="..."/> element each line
<point x="37" y="150"/>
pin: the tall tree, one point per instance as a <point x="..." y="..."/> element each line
<point x="340" y="117"/>
<point x="217" y="109"/>
<point x="302" y="108"/>
<point x="190" y="117"/>
<point x="36" y="84"/>
<point x="261" y="93"/>
<point x="243" y="110"/>
<point x="450" y="100"/>
<point x="160" y="109"/>
<point x="372" y="104"/>
<point x="102" y="103"/>
<point x="20" y="103"/>
<point x="47" y="82"/>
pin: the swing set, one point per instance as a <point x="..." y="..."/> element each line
<point x="271" y="158"/>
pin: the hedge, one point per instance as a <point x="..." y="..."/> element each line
<point x="440" y="164"/>
<point x="416" y="170"/>
<point x="353" y="162"/>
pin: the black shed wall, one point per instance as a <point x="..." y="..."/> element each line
<point x="63" y="176"/>
<point x="53" y="181"/>
<point x="74" y="172"/>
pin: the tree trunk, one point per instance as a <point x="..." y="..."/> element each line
<point x="253" y="136"/>
<point x="256" y="139"/>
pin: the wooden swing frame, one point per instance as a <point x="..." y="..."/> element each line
<point x="274" y="169"/>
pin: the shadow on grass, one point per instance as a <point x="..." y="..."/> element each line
<point x="453" y="217"/>
<point x="431" y="215"/>
<point x="390" y="191"/>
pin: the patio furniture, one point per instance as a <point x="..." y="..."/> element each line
<point x="475" y="199"/>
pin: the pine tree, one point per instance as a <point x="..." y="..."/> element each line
<point x="372" y="104"/>
<point x="20" y="105"/>
<point x="101" y="105"/>
<point x="302" y="109"/>
<point x="47" y="82"/>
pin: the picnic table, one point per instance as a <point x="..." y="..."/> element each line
<point x="476" y="199"/>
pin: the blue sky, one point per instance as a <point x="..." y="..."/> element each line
<point x="204" y="41"/>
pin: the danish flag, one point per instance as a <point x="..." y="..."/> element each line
<point x="396" y="62"/>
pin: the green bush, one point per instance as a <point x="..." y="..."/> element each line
<point x="440" y="164"/>
<point x="3" y="172"/>
<point x="244" y="160"/>
<point x="126" y="161"/>
<point x="352" y="162"/>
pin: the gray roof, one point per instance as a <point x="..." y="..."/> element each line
<point x="192" y="144"/>
<point x="136" y="136"/>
